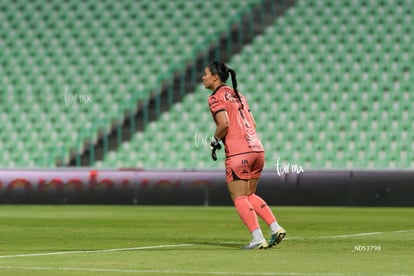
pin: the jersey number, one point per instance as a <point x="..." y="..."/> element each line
<point x="246" y="123"/>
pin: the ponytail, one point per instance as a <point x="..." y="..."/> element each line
<point x="221" y="69"/>
<point x="234" y="83"/>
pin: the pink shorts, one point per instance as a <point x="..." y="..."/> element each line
<point x="244" y="166"/>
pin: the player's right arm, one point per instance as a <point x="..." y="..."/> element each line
<point x="220" y="115"/>
<point x="222" y="124"/>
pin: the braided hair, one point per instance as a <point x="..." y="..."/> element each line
<point x="223" y="71"/>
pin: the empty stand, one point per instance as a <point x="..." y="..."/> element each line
<point x="70" y="66"/>
<point x="329" y="83"/>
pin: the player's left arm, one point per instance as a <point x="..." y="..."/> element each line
<point x="252" y="119"/>
<point x="249" y="112"/>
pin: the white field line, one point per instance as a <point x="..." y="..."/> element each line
<point x="158" y="272"/>
<point x="334" y="236"/>
<point x="352" y="235"/>
<point x="183" y="245"/>
<point x="92" y="251"/>
<point x="79" y="269"/>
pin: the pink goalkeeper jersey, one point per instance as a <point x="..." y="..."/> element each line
<point x="241" y="136"/>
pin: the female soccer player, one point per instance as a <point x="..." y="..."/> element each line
<point x="236" y="128"/>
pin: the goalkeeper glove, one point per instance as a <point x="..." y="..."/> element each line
<point x="214" y="145"/>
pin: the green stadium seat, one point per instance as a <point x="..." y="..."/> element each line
<point x="97" y="48"/>
<point x="325" y="94"/>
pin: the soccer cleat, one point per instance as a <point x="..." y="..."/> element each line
<point x="256" y="245"/>
<point x="277" y="237"/>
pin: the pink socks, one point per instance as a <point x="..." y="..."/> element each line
<point x="249" y="206"/>
<point x="247" y="212"/>
<point x="261" y="208"/>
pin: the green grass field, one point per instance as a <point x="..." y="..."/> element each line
<point x="144" y="240"/>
